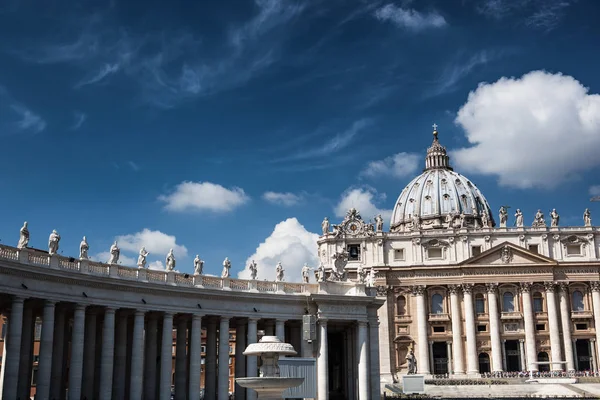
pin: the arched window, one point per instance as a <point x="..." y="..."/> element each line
<point x="538" y="302"/>
<point x="479" y="303"/>
<point x="484" y="363"/>
<point x="543" y="357"/>
<point x="578" y="301"/>
<point x="401" y="305"/>
<point x="437" y="304"/>
<point x="508" y="302"/>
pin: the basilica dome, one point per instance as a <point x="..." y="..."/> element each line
<point x="440" y="198"/>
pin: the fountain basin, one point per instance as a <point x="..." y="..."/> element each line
<point x="269" y="388"/>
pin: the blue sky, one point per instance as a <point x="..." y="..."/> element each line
<point x="231" y="128"/>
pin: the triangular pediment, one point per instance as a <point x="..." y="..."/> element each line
<point x="507" y="253"/>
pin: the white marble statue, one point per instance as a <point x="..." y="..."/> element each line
<point x="325" y="226"/>
<point x="503" y="217"/>
<point x="198" y="265"/>
<point x="587" y="217"/>
<point x="83" y="249"/>
<point x="361" y="274"/>
<point x="279" y="272"/>
<point x="115" y="252"/>
<point x="462" y="219"/>
<point x="485" y="223"/>
<point x="170" y="261"/>
<point x="23" y="237"/>
<point x="53" y="242"/>
<point x="554" y="218"/>
<point x="253" y="270"/>
<point x="379" y="223"/>
<point x="306" y="273"/>
<point x="538" y="220"/>
<point x="519" y="218"/>
<point x="226" y="268"/>
<point x="320" y="273"/>
<point x="141" y="262"/>
<point x="371" y="277"/>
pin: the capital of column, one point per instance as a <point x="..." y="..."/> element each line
<point x="139" y="313"/>
<point x="322" y="321"/>
<point x="253" y="319"/>
<point x="418" y="290"/>
<point x="454" y="289"/>
<point x="196" y="317"/>
<point x="549" y="286"/>
<point x="80" y="307"/>
<point x="563" y="287"/>
<point x="362" y="323"/>
<point x="595" y="286"/>
<point x="167" y="314"/>
<point x="521" y="340"/>
<point x="18" y="299"/>
<point x="491" y="287"/>
<point x="223" y="319"/>
<point x="467" y="288"/>
<point x="525" y="287"/>
<point x="49" y="303"/>
<point x="593" y="340"/>
<point x="449" y="342"/>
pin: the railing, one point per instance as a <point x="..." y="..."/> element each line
<point x="68" y="263"/>
<point x="581" y="314"/>
<point x="126" y="272"/>
<point x="212" y="282"/>
<point x="8" y="253"/>
<point x="37" y="258"/>
<point x="439" y="317"/>
<point x="239" y="284"/>
<point x="95" y="268"/>
<point x="511" y="315"/>
<point x="264" y="286"/>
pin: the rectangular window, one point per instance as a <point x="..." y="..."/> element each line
<point x="475" y="250"/>
<point x="573" y="250"/>
<point x="581" y="327"/>
<point x="540" y="327"/>
<point x="34" y="376"/>
<point x="439" y="329"/>
<point x="534" y="248"/>
<point x="353" y="252"/>
<point x="38" y="330"/>
<point x="399" y="254"/>
<point x="481" y="328"/>
<point x="434" y="253"/>
<point x="36" y="358"/>
<point x="203" y="349"/>
<point x="202" y="361"/>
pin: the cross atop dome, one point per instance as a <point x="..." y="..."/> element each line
<point x="435" y="131"/>
<point x="436" y="154"/>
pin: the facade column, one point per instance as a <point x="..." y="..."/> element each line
<point x="151" y="358"/>
<point x="472" y="359"/>
<point x="457" y="348"/>
<point x="494" y="328"/>
<point x="76" y="360"/>
<point x="137" y="357"/>
<point x="251" y="361"/>
<point x="89" y="353"/>
<point x="181" y="360"/>
<point x="422" y="326"/>
<point x="565" y="318"/>
<point x="595" y="288"/>
<point x="26" y="356"/>
<point x="522" y="354"/>
<point x="166" y="357"/>
<point x="363" y="361"/>
<point x="195" y="345"/>
<point x="593" y="353"/>
<point x="504" y="354"/>
<point x="528" y="320"/>
<point x="42" y="391"/>
<point x="322" y="363"/>
<point x="431" y="360"/>
<point x="280" y="329"/>
<point x="240" y="359"/>
<point x="385" y="356"/>
<point x="120" y="360"/>
<point x="575" y="355"/>
<point x="57" y="354"/>
<point x="108" y="354"/>
<point x="450" y="354"/>
<point x="223" y="378"/>
<point x="555" y="347"/>
<point x="374" y="356"/>
<point x="210" y="374"/>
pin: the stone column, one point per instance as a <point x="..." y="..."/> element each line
<point x="150" y="360"/>
<point x="472" y="358"/>
<point x="280" y="329"/>
<point x="322" y="363"/>
<point x="457" y="349"/>
<point x="422" y="334"/>
<point x="137" y="357"/>
<point x="195" y="343"/>
<point x="385" y="356"/>
<point x="431" y="360"/>
<point x="57" y="354"/>
<point x="528" y="320"/>
<point x="120" y="362"/>
<point x="240" y="359"/>
<point x="449" y="361"/>
<point x="374" y="357"/>
<point x="181" y="360"/>
<point x="494" y="328"/>
<point x="89" y="351"/>
<point x="251" y="361"/>
<point x="26" y="352"/>
<point x="575" y="355"/>
<point x="166" y="357"/>
<point x="555" y="347"/>
<point x="565" y="319"/>
<point x="522" y="354"/>
<point x="595" y="287"/>
<point x="108" y="354"/>
<point x="593" y="354"/>
<point x="42" y="391"/>
<point x="223" y="378"/>
<point x="210" y="374"/>
<point x="76" y="360"/>
<point x="363" y="361"/>
<point x="504" y="354"/>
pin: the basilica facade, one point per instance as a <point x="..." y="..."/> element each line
<point x="468" y="294"/>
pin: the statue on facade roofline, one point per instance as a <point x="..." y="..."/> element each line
<point x="519" y="218"/>
<point x="379" y="223"/>
<point x="23" y="237"/>
<point x="554" y="218"/>
<point x="253" y="270"/>
<point x="361" y="274"/>
<point x="279" y="272"/>
<point x="503" y="217"/>
<point x="587" y="217"/>
<point x="53" y="242"/>
<point x="226" y="268"/>
<point x="320" y="273"/>
<point x="115" y="252"/>
<point x="305" y="273"/>
<point x="83" y="249"/>
<point x="141" y="262"/>
<point x="484" y="220"/>
<point x="198" y="265"/>
<point x="371" y="277"/>
<point x="170" y="261"/>
<point x="538" y="220"/>
<point x="325" y="226"/>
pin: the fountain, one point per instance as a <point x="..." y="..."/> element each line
<point x="269" y="385"/>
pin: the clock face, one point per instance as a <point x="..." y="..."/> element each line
<point x="353" y="227"/>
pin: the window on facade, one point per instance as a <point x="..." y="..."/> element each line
<point x="508" y="302"/>
<point x="399" y="254"/>
<point x="401" y="305"/>
<point x="353" y="252"/>
<point x="481" y="328"/>
<point x="202" y="360"/>
<point x="578" y="301"/>
<point x="437" y="304"/>
<point x="203" y="349"/>
<point x="475" y="250"/>
<point x="479" y="303"/>
<point x="540" y="327"/>
<point x="439" y="329"/>
<point x="534" y="248"/>
<point x="434" y="253"/>
<point x="538" y="302"/>
<point x="38" y="330"/>
<point x="581" y="327"/>
<point x="34" y="376"/>
<point x="573" y="250"/>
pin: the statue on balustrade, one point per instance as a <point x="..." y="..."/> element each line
<point x="253" y="270"/>
<point x="554" y="218"/>
<point x="83" y="249"/>
<point x="587" y="217"/>
<point x="485" y="223"/>
<point x="325" y="226"/>
<point x="320" y="273"/>
<point x="226" y="268"/>
<point x="170" y="261"/>
<point x="503" y="217"/>
<point x="198" y="265"/>
<point x="519" y="218"/>
<point x="53" y="242"/>
<point x="539" y="220"/>
<point x="23" y="237"/>
<point x="141" y="262"/>
<point x="371" y="277"/>
<point x="305" y="273"/>
<point x="361" y="274"/>
<point x="115" y="252"/>
<point x="279" y="272"/>
<point x="412" y="361"/>
<point x="379" y="223"/>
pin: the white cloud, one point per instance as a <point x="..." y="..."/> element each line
<point x="156" y="265"/>
<point x="535" y="131"/>
<point x="29" y="121"/>
<point x="365" y="200"/>
<point x="409" y="18"/>
<point x="157" y="243"/>
<point x="595" y="190"/>
<point x="399" y="165"/>
<point x="79" y="120"/>
<point x="204" y="196"/>
<point x="124" y="260"/>
<point x="292" y="245"/>
<point x="283" y="199"/>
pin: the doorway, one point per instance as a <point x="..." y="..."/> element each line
<point x="582" y="347"/>
<point x="440" y="358"/>
<point x="337" y="366"/>
<point x="484" y="363"/>
<point x="543" y="357"/>
<point x="513" y="361"/>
